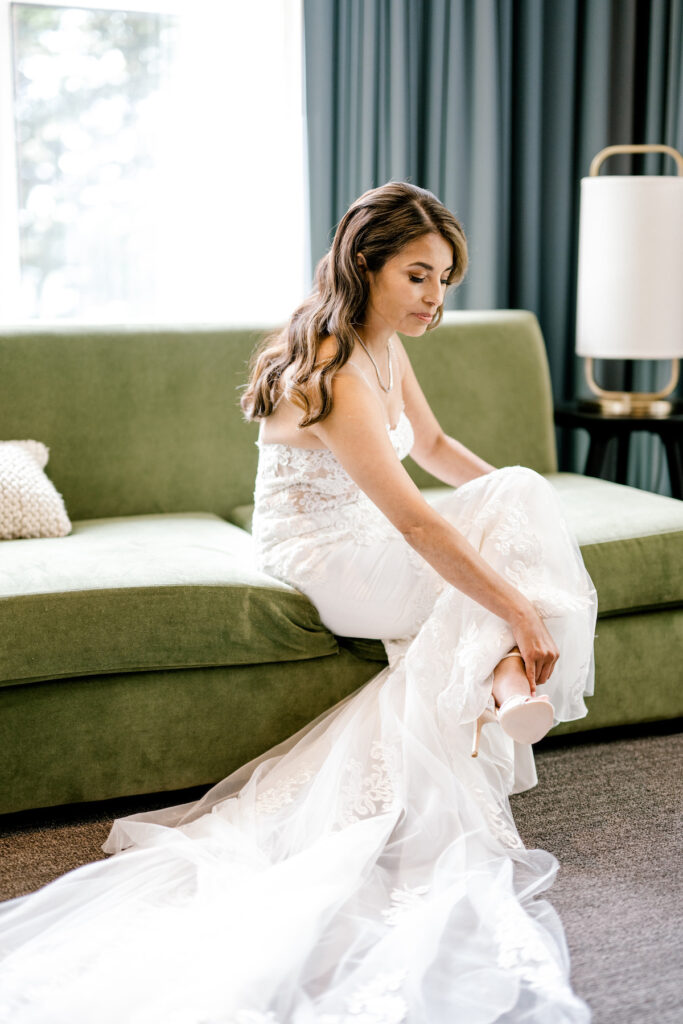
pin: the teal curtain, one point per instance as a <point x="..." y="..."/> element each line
<point x="497" y="106"/>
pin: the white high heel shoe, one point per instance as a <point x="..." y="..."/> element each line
<point x="524" y="718"/>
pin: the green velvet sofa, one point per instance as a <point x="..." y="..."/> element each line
<point x="144" y="652"/>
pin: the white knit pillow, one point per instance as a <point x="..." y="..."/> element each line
<point x="30" y="506"/>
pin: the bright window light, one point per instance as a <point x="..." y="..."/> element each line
<point x="159" y="156"/>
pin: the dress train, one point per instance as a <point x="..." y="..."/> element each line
<point x="368" y="869"/>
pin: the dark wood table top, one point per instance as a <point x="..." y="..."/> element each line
<point x="575" y="414"/>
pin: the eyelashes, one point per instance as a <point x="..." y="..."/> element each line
<point x="419" y="280"/>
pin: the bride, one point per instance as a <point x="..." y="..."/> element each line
<point x="368" y="870"/>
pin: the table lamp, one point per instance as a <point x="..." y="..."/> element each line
<point x="630" y="280"/>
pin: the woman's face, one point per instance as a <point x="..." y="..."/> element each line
<point x="407" y="292"/>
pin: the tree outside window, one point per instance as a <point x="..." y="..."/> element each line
<point x="159" y="162"/>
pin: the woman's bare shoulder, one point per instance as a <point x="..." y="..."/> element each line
<point x="282" y="426"/>
<point x="327" y="349"/>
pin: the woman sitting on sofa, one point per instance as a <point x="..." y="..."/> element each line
<point x="369" y="867"/>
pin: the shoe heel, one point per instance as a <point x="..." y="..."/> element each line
<point x="487" y="715"/>
<point x="477" y="733"/>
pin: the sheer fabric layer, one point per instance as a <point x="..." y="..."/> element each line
<point x="368" y="869"/>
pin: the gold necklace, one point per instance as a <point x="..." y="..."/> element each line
<point x="381" y="383"/>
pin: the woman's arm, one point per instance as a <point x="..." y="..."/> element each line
<point x="356" y="433"/>
<point x="442" y="456"/>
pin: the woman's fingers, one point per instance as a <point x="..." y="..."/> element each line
<point x="538" y="651"/>
<point x="546" y="669"/>
<point x="530" y="667"/>
<point x="539" y="669"/>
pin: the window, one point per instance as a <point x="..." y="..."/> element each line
<point x="152" y="161"/>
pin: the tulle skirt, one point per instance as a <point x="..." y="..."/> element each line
<point x="366" y="871"/>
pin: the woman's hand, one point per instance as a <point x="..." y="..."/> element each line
<point x="536" y="646"/>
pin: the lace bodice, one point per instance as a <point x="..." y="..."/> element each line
<point x="304" y="499"/>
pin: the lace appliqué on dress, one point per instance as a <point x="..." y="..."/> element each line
<point x="496" y="819"/>
<point x="273" y="799"/>
<point x="549" y="601"/>
<point x="305" y="492"/>
<point x="362" y="796"/>
<point x="402" y="901"/>
<point x="473" y="651"/>
<point x="512" y="536"/>
<point x="512" y="533"/>
<point x="377" y="1002"/>
<point x="522" y="950"/>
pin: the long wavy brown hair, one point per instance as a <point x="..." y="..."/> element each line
<point x="378" y="225"/>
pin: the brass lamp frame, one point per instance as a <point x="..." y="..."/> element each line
<point x="631" y="403"/>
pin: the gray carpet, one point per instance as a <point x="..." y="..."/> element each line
<point x="607" y="805"/>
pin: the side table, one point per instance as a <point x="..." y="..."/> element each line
<point x="602" y="429"/>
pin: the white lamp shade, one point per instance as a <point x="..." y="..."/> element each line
<point x="630" y="284"/>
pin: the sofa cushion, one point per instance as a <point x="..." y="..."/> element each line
<point x="242" y="516"/>
<point x="631" y="541"/>
<point x="146" y="592"/>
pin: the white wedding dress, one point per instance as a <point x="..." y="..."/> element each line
<point x="368" y="870"/>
